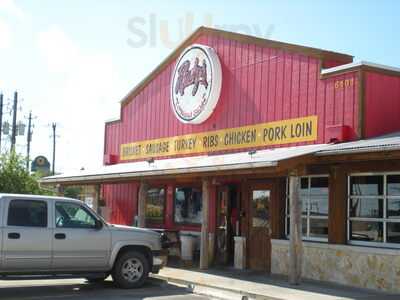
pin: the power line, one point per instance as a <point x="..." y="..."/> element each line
<point x="28" y="141"/>
<point x="54" y="126"/>
<point x="14" y="122"/>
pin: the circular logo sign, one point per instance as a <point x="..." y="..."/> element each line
<point x="196" y="84"/>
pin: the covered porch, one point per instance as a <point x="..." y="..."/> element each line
<point x="266" y="199"/>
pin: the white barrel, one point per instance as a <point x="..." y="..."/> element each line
<point x="187" y="247"/>
<point x="240" y="253"/>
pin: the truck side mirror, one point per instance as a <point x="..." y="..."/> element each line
<point x="98" y="225"/>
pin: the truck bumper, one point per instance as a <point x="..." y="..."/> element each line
<point x="159" y="260"/>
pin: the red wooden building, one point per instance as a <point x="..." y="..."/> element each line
<point x="207" y="141"/>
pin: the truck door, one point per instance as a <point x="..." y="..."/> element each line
<point x="77" y="243"/>
<point x="26" y="235"/>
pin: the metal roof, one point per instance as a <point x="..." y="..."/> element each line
<point x="384" y="143"/>
<point x="183" y="165"/>
<point x="358" y="64"/>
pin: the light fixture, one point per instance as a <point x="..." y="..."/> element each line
<point x="252" y="152"/>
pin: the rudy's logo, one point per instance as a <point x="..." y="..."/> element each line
<point x="196" y="84"/>
<point x="195" y="76"/>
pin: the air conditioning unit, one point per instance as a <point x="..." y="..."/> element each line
<point x="339" y="133"/>
<point x="110" y="159"/>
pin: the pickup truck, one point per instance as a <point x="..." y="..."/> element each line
<point x="43" y="235"/>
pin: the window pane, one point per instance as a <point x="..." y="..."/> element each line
<point x="28" y="213"/>
<point x="319" y="206"/>
<point x="304" y="226"/>
<point x="393" y="208"/>
<point x="393" y="232"/>
<point x="366" y="185"/>
<point x="287" y="226"/>
<point x="366" y="231"/>
<point x="304" y="205"/>
<point x="319" y="228"/>
<point x="319" y="186"/>
<point x="71" y="215"/>
<point x="260" y="208"/>
<point x="188" y="205"/>
<point x="304" y="186"/>
<point x="366" y="207"/>
<point x="287" y="206"/>
<point x="155" y="202"/>
<point x="393" y="185"/>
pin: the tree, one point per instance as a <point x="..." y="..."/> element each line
<point x="72" y="192"/>
<point x="15" y="179"/>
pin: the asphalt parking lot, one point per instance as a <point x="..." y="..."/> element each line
<point x="76" y="289"/>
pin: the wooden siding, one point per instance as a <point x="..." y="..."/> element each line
<point x="260" y="84"/>
<point x="382" y="103"/>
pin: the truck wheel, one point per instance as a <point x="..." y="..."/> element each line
<point x="130" y="270"/>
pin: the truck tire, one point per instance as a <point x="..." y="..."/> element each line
<point x="131" y="270"/>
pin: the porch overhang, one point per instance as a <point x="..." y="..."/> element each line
<point x="260" y="159"/>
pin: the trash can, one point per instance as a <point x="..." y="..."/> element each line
<point x="240" y="253"/>
<point x="187" y="247"/>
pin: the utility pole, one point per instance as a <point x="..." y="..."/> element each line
<point x="1" y="118"/>
<point x="28" y="141"/>
<point x="14" y="123"/>
<point x="54" y="125"/>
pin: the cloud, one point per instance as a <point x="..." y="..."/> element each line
<point x="5" y="35"/>
<point x="83" y="91"/>
<point x="11" y="8"/>
<point x="60" y="52"/>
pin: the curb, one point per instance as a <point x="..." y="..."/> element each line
<point x="215" y="291"/>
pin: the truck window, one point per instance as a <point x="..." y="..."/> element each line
<point x="71" y="215"/>
<point x="27" y="213"/>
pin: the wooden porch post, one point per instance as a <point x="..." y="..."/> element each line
<point x="295" y="243"/>
<point x="204" y="226"/>
<point x="144" y="186"/>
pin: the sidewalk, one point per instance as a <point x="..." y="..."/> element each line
<point x="255" y="285"/>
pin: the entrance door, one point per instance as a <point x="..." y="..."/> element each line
<point x="259" y="228"/>
<point x="227" y="216"/>
<point x="223" y="230"/>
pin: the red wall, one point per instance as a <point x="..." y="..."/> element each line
<point x="382" y="104"/>
<point x="122" y="200"/>
<point x="260" y="84"/>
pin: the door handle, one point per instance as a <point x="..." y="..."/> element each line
<point x="14" y="236"/>
<point x="60" y="236"/>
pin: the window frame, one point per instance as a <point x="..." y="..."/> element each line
<point x="308" y="217"/>
<point x="151" y="221"/>
<point x="189" y="185"/>
<point x="81" y="205"/>
<point x="28" y="200"/>
<point x="384" y="220"/>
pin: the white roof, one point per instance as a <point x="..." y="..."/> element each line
<point x="384" y="143"/>
<point x="182" y="165"/>
<point x="358" y="64"/>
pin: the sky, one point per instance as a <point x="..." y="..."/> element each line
<point x="72" y="61"/>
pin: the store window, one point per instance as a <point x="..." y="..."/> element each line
<point x="155" y="204"/>
<point x="188" y="205"/>
<point x="374" y="209"/>
<point x="314" y="197"/>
